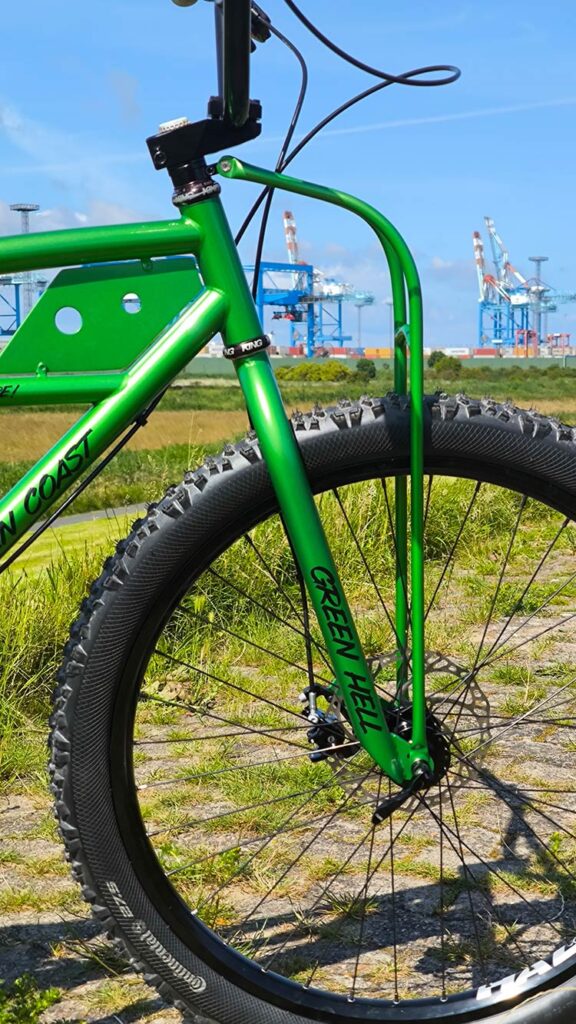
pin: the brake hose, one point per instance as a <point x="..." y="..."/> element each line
<point x="414" y="77"/>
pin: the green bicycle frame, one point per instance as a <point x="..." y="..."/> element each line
<point x="225" y="305"/>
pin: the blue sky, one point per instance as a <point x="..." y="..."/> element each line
<point x="83" y="84"/>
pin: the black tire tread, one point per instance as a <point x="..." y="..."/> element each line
<point x="546" y="435"/>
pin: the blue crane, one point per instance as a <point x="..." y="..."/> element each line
<point x="302" y="295"/>
<point x="512" y="307"/>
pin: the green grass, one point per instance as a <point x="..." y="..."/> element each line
<point x="98" y="953"/>
<point x="11" y="857"/>
<point x="23" y="1002"/>
<point x="525" y="384"/>
<point x="38" y="607"/>
<point x="350" y="904"/>
<point x="132" y="478"/>
<point x="120" y="995"/>
<point x="139" y="476"/>
<point x="39" y="604"/>
<point x="74" y="543"/>
<point x="23" y="898"/>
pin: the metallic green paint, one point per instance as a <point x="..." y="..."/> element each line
<point x="110" y="337"/>
<point x="226" y="305"/>
<point x="303" y="525"/>
<point x="58" y="389"/>
<point x="100" y="426"/>
<point x="405" y="283"/>
<point x="44" y="249"/>
<point x="221" y="268"/>
<point x="220" y="264"/>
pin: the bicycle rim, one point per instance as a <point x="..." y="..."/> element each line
<point x="280" y="876"/>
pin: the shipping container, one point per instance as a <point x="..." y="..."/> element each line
<point x="378" y="353"/>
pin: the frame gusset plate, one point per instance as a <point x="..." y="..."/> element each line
<point x="117" y="309"/>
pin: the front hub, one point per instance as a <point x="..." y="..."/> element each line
<point x="331" y="733"/>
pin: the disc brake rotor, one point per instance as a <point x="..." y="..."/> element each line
<point x="451" y="690"/>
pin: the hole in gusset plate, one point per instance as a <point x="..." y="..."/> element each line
<point x="132" y="303"/>
<point x="68" y="320"/>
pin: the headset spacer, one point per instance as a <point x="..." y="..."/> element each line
<point x="246" y="348"/>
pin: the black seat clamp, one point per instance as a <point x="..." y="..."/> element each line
<point x="246" y="348"/>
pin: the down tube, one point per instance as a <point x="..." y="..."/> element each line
<point x="100" y="426"/>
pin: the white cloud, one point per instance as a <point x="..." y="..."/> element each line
<point x="71" y="161"/>
<point x="57" y="218"/>
<point x="459" y="272"/>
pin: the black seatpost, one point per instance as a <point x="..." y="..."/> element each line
<point x="232" y="117"/>
<point x="219" y="27"/>
<point x="234" y="58"/>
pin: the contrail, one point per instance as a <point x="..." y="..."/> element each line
<point x="408" y="122"/>
<point x="25" y="133"/>
<point x="464" y="115"/>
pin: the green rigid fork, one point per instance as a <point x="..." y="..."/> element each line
<point x="224" y="304"/>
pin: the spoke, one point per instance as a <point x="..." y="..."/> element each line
<point x="304" y="633"/>
<point x="283" y="830"/>
<point x="297" y="859"/>
<point x="504" y="720"/>
<point x="330" y="882"/>
<point x="219" y="735"/>
<point x="364" y="897"/>
<point x="252" y="643"/>
<point x="306" y="618"/>
<point x="500" y="578"/>
<point x="201" y="712"/>
<point x="393" y="895"/>
<point x="231" y="686"/>
<point x="502" y="725"/>
<point x="522" y="718"/>
<point x="518" y="603"/>
<point x="442" y="920"/>
<point x="464" y="695"/>
<point x="273" y="577"/>
<point x="237" y="768"/>
<point x="490" y="868"/>
<point x="494" y="784"/>
<point x="457" y="693"/>
<point x="266" y="842"/>
<point x="529" y="618"/>
<point x="393" y="535"/>
<point x="365" y="563"/>
<point x="178" y="829"/>
<point x="505" y="653"/>
<point x="520" y="791"/>
<point x="547" y="803"/>
<point x="271" y="919"/>
<point x="372" y="873"/>
<point x="456" y="697"/>
<point x="492" y="907"/>
<point x="467" y="872"/>
<point x="537" y="611"/>
<point x="427" y="502"/>
<point x="318" y="900"/>
<point x="452" y="551"/>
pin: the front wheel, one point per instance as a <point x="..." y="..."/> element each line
<point x="226" y="836"/>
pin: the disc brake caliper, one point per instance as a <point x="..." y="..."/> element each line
<point x="327" y="733"/>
